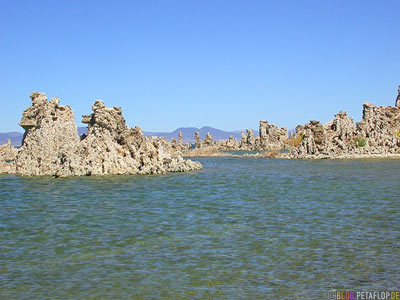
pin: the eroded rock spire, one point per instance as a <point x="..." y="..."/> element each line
<point x="51" y="145"/>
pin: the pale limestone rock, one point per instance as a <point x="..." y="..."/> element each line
<point x="380" y="126"/>
<point x="8" y="153"/>
<point x="378" y="133"/>
<point x="180" y="138"/>
<point x="250" y="138"/>
<point x="340" y="133"/>
<point x="333" y="138"/>
<point x="51" y="145"/>
<point x="229" y="144"/>
<point x="177" y="147"/>
<point x="271" y="136"/>
<point x="314" y="138"/>
<point x="197" y="140"/>
<point x="248" y="141"/>
<point x="208" y="141"/>
<point x="243" y="140"/>
<point x="50" y="136"/>
<point x="111" y="147"/>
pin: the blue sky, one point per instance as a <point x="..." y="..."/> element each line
<point x="225" y="64"/>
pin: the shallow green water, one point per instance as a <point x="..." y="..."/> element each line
<point x="238" y="229"/>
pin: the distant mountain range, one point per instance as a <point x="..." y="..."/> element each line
<point x="187" y="134"/>
<point x="15" y="138"/>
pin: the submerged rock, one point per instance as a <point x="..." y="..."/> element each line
<point x="51" y="145"/>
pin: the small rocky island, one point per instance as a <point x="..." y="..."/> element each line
<point x="51" y="145"/>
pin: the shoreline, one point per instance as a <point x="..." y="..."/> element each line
<point x="317" y="157"/>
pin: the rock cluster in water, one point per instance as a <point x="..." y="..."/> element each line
<point x="271" y="138"/>
<point x="378" y="133"/>
<point x="51" y="145"/>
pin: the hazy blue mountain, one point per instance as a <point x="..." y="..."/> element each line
<point x="15" y="138"/>
<point x="187" y="133"/>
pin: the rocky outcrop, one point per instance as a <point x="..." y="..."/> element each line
<point x="397" y="103"/>
<point x="51" y="145"/>
<point x="379" y="128"/>
<point x="243" y="140"/>
<point x="197" y="140"/>
<point x="8" y="153"/>
<point x="208" y="141"/>
<point x="229" y="144"/>
<point x="271" y="136"/>
<point x="377" y="133"/>
<point x="249" y="141"/>
<point x="174" y="147"/>
<point x="180" y="138"/>
<point x="50" y="136"/>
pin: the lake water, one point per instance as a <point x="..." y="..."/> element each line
<point x="239" y="229"/>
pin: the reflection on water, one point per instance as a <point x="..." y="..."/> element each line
<point x="238" y="229"/>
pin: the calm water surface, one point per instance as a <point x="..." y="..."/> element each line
<point x="238" y="229"/>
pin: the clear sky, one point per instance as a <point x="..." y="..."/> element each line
<point x="225" y="64"/>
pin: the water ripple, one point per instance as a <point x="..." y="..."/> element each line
<point x="238" y="229"/>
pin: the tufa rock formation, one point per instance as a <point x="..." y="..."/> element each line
<point x="175" y="147"/>
<point x="51" y="145"/>
<point x="180" y="138"/>
<point x="243" y="140"/>
<point x="271" y="136"/>
<point x="8" y="154"/>
<point x="197" y="140"/>
<point x="378" y="133"/>
<point x="208" y="141"/>
<point x="50" y="135"/>
<point x="248" y="141"/>
<point x="229" y="144"/>
<point x="380" y="128"/>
